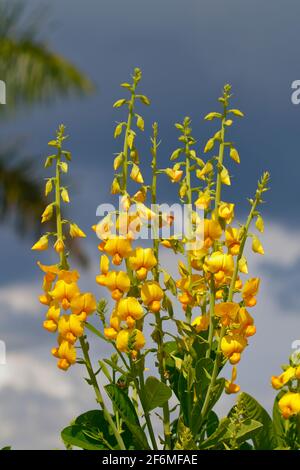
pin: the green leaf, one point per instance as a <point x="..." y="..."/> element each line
<point x="89" y="431"/>
<point x="278" y="421"/>
<point x="265" y="439"/>
<point x="217" y="436"/>
<point x="228" y="431"/>
<point x="127" y="411"/>
<point x="156" y="393"/>
<point x="212" y="423"/>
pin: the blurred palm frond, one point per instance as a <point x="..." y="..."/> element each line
<point x="31" y="71"/>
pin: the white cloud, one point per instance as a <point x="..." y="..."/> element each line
<point x="20" y="298"/>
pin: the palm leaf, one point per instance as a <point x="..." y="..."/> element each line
<point x="31" y="71"/>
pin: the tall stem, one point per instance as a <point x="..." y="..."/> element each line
<point x="229" y="299"/>
<point x="189" y="218"/>
<point x="212" y="299"/>
<point x="62" y="255"/>
<point x="98" y="394"/>
<point x="159" y="326"/>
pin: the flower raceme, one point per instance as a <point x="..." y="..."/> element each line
<point x="62" y="294"/>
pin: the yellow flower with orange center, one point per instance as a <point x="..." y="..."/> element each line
<point x="152" y="294"/>
<point x="64" y="291"/>
<point x="83" y="305"/>
<point x="118" y="248"/>
<point x="118" y="282"/>
<point x="227" y="312"/>
<point x="128" y="340"/>
<point x="141" y="261"/>
<point x="219" y="264"/>
<point x="250" y="291"/>
<point x="129" y="307"/>
<point x="212" y="232"/>
<point x="66" y="353"/>
<point x="282" y="379"/>
<point x="232" y="346"/>
<point x="52" y="317"/>
<point x="289" y="404"/>
<point x="246" y="323"/>
<point x="70" y="327"/>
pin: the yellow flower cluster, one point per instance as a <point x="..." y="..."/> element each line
<point x="62" y="294"/>
<point x="126" y="317"/>
<point x="211" y="276"/>
<point x="289" y="382"/>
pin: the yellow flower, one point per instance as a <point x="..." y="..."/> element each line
<point x="234" y="155"/>
<point x="47" y="214"/>
<point x="136" y="174"/>
<point x="110" y="333"/>
<point x="282" y="379"/>
<point x="118" y="282"/>
<point x="225" y="178"/>
<point x="118" y="248"/>
<point x="227" y="312"/>
<point x="140" y="195"/>
<point x="219" y="264"/>
<point x="289" y="404"/>
<point x="232" y="346"/>
<point x="201" y="323"/>
<point x="257" y="246"/>
<point x="59" y="245"/>
<point x="130" y="340"/>
<point x="66" y="354"/>
<point x="83" y="305"/>
<point x="41" y="244"/>
<point x="226" y="211"/>
<point x="197" y="258"/>
<point x="141" y="261"/>
<point x="203" y="200"/>
<point x="174" y="175"/>
<point x="245" y="322"/>
<point x="230" y="386"/>
<point x="76" y="231"/>
<point x="208" y="167"/>
<point x="250" y="291"/>
<point x="166" y="243"/>
<point x="232" y="240"/>
<point x="129" y="307"/>
<point x="152" y="294"/>
<point x="70" y="327"/>
<point x="212" y="232"/>
<point x="64" y="291"/>
<point x="52" y="318"/>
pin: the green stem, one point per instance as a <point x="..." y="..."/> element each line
<point x="62" y="256"/>
<point x="141" y="392"/>
<point x="128" y="128"/>
<point x="98" y="394"/>
<point x="212" y="299"/>
<point x="229" y="299"/>
<point x="189" y="218"/>
<point x="159" y="326"/>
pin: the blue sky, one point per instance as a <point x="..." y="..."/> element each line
<point x="187" y="51"/>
